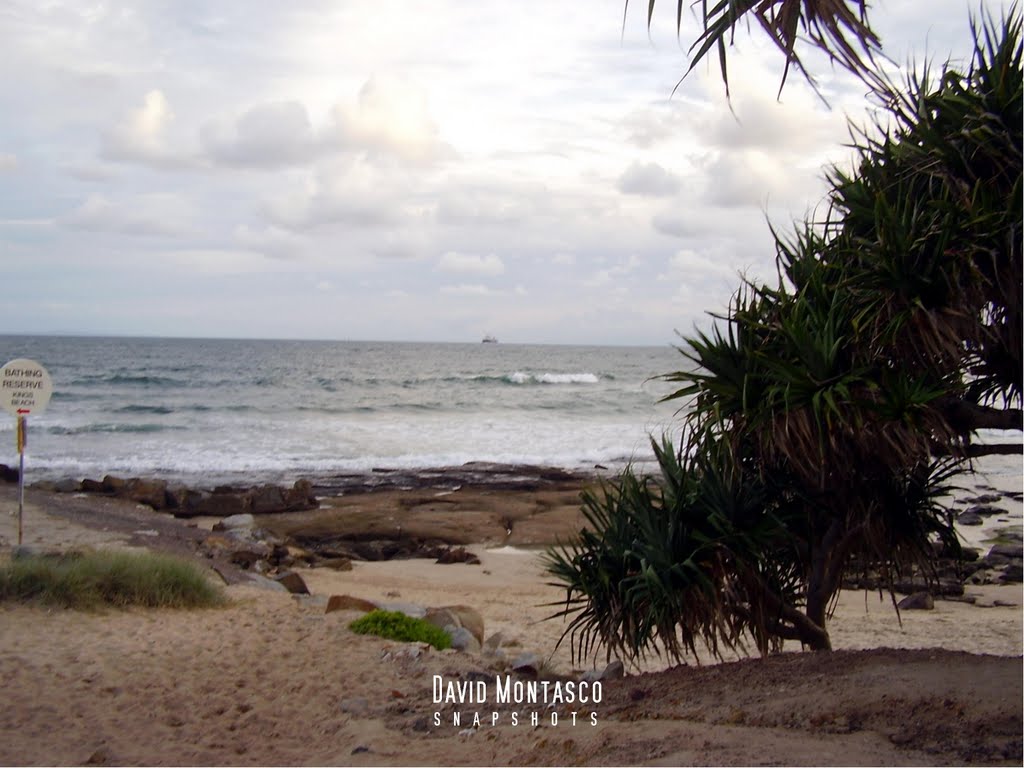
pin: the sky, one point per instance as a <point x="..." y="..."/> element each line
<point x="396" y="170"/>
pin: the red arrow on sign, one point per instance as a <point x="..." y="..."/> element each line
<point x="24" y="410"/>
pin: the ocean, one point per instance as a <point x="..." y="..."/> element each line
<point x="212" y="411"/>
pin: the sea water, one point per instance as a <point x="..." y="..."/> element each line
<point x="205" y="411"/>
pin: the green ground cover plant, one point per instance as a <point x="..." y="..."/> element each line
<point x="397" y="626"/>
<point x="89" y="580"/>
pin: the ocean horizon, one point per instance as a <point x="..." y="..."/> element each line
<point x="204" y="411"/>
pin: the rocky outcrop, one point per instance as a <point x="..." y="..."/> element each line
<point x="222" y="501"/>
<point x="919" y="601"/>
<point x="349" y="603"/>
<point x="458" y="617"/>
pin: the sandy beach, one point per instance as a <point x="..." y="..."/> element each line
<point x="273" y="679"/>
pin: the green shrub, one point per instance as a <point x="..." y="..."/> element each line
<point x="397" y="626"/>
<point x="107" y="578"/>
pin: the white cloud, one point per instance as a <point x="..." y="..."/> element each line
<point x="271" y="241"/>
<point x="465" y="290"/>
<point x="151" y="214"/>
<point x="267" y="135"/>
<point x="327" y="142"/>
<point x="648" y="179"/>
<point x="141" y="136"/>
<point x="469" y="263"/>
<point x="220" y="261"/>
<point x="390" y="116"/>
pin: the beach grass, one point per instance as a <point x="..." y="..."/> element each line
<point x="91" y="580"/>
<point x="397" y="626"/>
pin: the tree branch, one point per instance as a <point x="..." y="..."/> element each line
<point x="966" y="417"/>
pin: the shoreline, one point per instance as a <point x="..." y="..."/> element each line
<point x="274" y="678"/>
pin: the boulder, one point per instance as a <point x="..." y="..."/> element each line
<point x="8" y="474"/>
<point x="67" y="486"/>
<point x="987" y="511"/>
<point x="267" y="499"/>
<point x="236" y="523"/>
<point x="300" y="496"/>
<point x="1012" y="574"/>
<point x="240" y="551"/>
<point x="113" y="484"/>
<point x="1007" y="550"/>
<point x="527" y="663"/>
<point x="493" y="643"/>
<point x="152" y="493"/>
<point x="615" y="670"/>
<point x="919" y="601"/>
<point x="459" y="616"/>
<point x="458" y="555"/>
<point x="185" y="502"/>
<point x="93" y="486"/>
<point x="349" y="603"/>
<point x="291" y="581"/>
<point x="462" y="639"/>
<point x="969" y="518"/>
<point x="223" y="504"/>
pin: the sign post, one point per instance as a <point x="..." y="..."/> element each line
<point x="25" y="388"/>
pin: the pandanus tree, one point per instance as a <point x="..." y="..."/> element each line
<point x="825" y="414"/>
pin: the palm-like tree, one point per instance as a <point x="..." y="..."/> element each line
<point x="827" y="413"/>
<point x="839" y="28"/>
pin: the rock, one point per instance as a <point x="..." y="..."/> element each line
<point x="298" y="553"/>
<point x="247" y="551"/>
<point x="376" y="550"/>
<point x="349" y="603"/>
<point x="969" y="518"/>
<point x="462" y="639"/>
<point x="458" y="555"/>
<point x="336" y="564"/>
<point x="987" y="511"/>
<point x="67" y="486"/>
<point x="224" y="504"/>
<point x="460" y="616"/>
<point x="300" y="496"/>
<point x="615" y="670"/>
<point x="152" y="493"/>
<point x="235" y="522"/>
<point x="185" y="502"/>
<point x="919" y="601"/>
<point x="969" y="554"/>
<point x="113" y="484"/>
<point x="267" y="499"/>
<point x="527" y="663"/>
<point x="291" y="581"/>
<point x="245" y="558"/>
<point x="1012" y="574"/>
<point x="986" y="498"/>
<point x="8" y="474"/>
<point x="91" y="486"/>
<point x="1007" y="550"/>
<point x="493" y="643"/>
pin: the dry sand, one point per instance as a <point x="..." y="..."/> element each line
<point x="273" y="680"/>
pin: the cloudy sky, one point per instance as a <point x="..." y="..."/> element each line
<point x="397" y="170"/>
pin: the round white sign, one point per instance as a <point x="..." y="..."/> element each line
<point x="25" y="387"/>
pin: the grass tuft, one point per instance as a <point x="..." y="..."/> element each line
<point x="397" y="626"/>
<point x="85" y="580"/>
